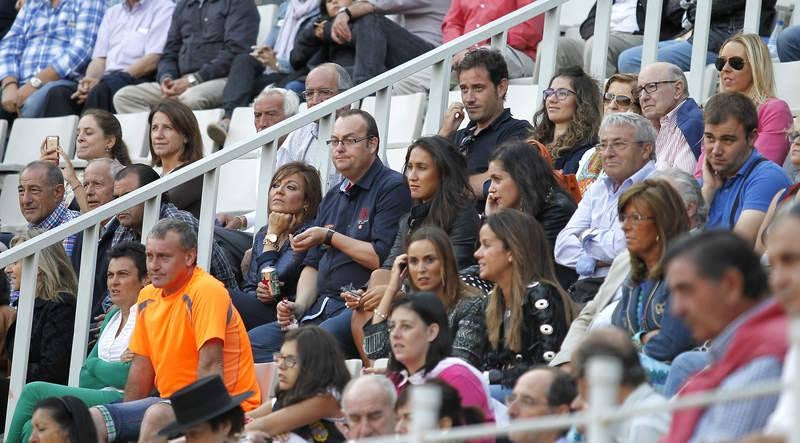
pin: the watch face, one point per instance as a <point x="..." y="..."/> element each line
<point x="35" y="82"/>
<point x="272" y="238"/>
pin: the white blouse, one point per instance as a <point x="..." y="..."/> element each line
<point x="111" y="348"/>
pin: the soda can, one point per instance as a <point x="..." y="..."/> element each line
<point x="269" y="276"/>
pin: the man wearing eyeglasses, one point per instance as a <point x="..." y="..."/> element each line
<point x="593" y="237"/>
<point x="483" y="80"/>
<point x="323" y="82"/>
<point x="664" y="99"/>
<point x="738" y="182"/>
<point x="355" y="228"/>
<point x="539" y="392"/>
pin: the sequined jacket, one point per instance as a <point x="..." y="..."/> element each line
<point x="544" y="327"/>
<point x="467" y="329"/>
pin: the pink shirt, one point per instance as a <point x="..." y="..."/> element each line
<point x="774" y="123"/>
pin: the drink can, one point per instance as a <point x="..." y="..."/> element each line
<point x="269" y="276"/>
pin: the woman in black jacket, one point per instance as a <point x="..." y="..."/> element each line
<point x="527" y="312"/>
<point x="522" y="179"/>
<point x="53" y="312"/>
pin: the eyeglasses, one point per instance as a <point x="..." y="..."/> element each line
<point x="321" y="93"/>
<point x="652" y="86"/>
<point x="347" y="141"/>
<point x="526" y="400"/>
<point x="635" y="218"/>
<point x="617" y="146"/>
<point x="736" y="63"/>
<point x="621" y="100"/>
<point x="560" y="93"/>
<point x="287" y="361"/>
<point x="463" y="147"/>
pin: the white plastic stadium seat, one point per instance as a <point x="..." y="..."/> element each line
<point x="10" y="215"/>
<point x="204" y="118"/>
<point x="27" y="135"/>
<point x="522" y="99"/>
<point x="241" y="125"/>
<point x="267" y="14"/>
<point x="405" y="117"/>
<point x="267" y="377"/>
<point x="136" y="134"/>
<point x="354" y="367"/>
<point x="238" y="182"/>
<point x="787" y="84"/>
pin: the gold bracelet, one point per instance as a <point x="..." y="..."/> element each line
<point x="378" y="313"/>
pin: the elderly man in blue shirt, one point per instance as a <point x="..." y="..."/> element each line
<point x="49" y="44"/>
<point x="593" y="237"/>
<point x="353" y="233"/>
<point x="738" y="182"/>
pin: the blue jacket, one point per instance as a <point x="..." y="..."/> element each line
<point x="690" y="122"/>
<point x="674" y="337"/>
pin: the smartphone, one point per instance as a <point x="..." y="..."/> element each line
<point x="403" y="267"/>
<point x="51" y="144"/>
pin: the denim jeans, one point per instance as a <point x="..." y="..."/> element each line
<point x="123" y="420"/>
<point x="34" y="105"/>
<point x="334" y="317"/>
<point x="789" y="44"/>
<point x="677" y="52"/>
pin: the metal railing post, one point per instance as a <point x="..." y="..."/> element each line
<point x="652" y="31"/>
<point x="602" y="28"/>
<point x="208" y="208"/>
<point x="22" y="332"/>
<point x="425" y="400"/>
<point x="547" y="52"/>
<point x="752" y="17"/>
<point x="83" y="305"/>
<point x="266" y="164"/>
<point x="152" y="212"/>
<point x="383" y="105"/>
<point x="499" y="42"/>
<point x="794" y="341"/>
<point x="325" y="129"/>
<point x="438" y="96"/>
<point x="702" y="25"/>
<point x="604" y="375"/>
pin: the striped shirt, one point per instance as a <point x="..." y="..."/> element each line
<point x="672" y="149"/>
<point x="42" y="36"/>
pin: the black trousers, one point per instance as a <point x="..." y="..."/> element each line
<point x="245" y="80"/>
<point x="58" y="102"/>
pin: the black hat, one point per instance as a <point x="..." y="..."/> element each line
<point x="199" y="402"/>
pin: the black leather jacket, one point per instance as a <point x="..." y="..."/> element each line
<point x="558" y="209"/>
<point x="543" y="329"/>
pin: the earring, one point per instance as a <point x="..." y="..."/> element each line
<point x="658" y="237"/>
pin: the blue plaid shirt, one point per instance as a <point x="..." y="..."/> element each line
<point x="43" y="36"/>
<point x="60" y="215"/>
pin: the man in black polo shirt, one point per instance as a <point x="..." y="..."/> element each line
<point x="483" y="79"/>
<point x="353" y="233"/>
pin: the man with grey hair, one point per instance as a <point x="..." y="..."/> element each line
<point x="368" y="404"/>
<point x="41" y="199"/>
<point x="593" y="237"/>
<point x="664" y="99"/>
<point x="323" y="82"/>
<point x="597" y="312"/>
<point x="273" y="105"/>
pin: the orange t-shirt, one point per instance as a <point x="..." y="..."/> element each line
<point x="170" y="330"/>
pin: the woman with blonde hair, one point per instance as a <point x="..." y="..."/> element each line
<point x="53" y="312"/>
<point x="528" y="313"/>
<point x="745" y="66"/>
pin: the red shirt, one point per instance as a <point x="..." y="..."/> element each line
<point x="467" y="15"/>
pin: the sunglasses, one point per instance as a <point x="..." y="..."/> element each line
<point x="736" y="63"/>
<point x="622" y="100"/>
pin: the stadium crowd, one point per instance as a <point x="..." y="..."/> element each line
<point x="626" y="220"/>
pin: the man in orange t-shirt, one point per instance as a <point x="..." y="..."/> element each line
<point x="186" y="329"/>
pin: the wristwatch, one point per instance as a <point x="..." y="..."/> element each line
<point x="271" y="239"/>
<point x="192" y="79"/>
<point x="36" y="82"/>
<point x="346" y="10"/>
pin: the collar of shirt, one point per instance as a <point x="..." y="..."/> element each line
<point x="137" y="6"/>
<point x="720" y="343"/>
<point x="672" y="116"/>
<point x="59" y="215"/>
<point x="637" y="177"/>
<point x="754" y="155"/>
<point x="366" y="181"/>
<point x="502" y="118"/>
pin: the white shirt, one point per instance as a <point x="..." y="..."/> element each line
<point x="110" y="346"/>
<point x="623" y="16"/>
<point x="301" y="146"/>
<point x="783" y="418"/>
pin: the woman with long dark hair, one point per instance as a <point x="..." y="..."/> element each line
<point x="528" y="313"/>
<point x="311" y="378"/>
<point x="522" y="179"/>
<point x="62" y="420"/>
<point x="569" y="120"/>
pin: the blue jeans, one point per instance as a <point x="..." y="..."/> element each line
<point x="123" y="420"/>
<point x="682" y="368"/>
<point x="34" y="105"/>
<point x="335" y="318"/>
<point x="677" y="52"/>
<point x="789" y="44"/>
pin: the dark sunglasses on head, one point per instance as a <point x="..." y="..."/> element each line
<point x="736" y="63"/>
<point x="622" y="100"/>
